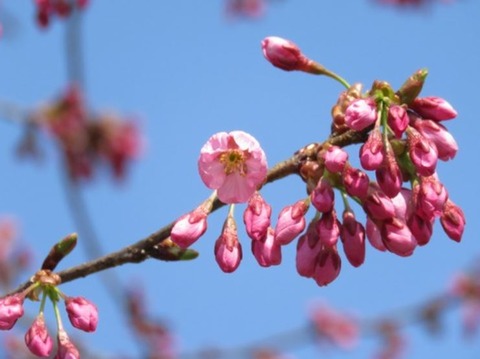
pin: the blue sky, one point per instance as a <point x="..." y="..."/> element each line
<point x="187" y="72"/>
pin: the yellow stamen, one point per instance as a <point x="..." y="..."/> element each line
<point x="234" y="161"/>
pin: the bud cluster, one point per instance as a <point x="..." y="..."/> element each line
<point x="82" y="314"/>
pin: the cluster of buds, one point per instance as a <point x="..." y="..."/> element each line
<point x="85" y="139"/>
<point x="61" y="8"/>
<point x="82" y="313"/>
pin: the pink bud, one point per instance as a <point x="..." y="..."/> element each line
<point x="335" y="159"/>
<point x="402" y="204"/>
<point x="328" y="229"/>
<point x="327" y="266"/>
<point x="430" y="198"/>
<point x="361" y="113"/>
<point x="82" y="313"/>
<point x="397" y="237"/>
<point x="353" y="239"/>
<point x="356" y="182"/>
<point x="308" y="247"/>
<point x="291" y="222"/>
<point x="323" y="197"/>
<point x="266" y="251"/>
<point x="421" y="228"/>
<point x="438" y="135"/>
<point x="389" y="176"/>
<point x="378" y="205"/>
<point x="66" y="349"/>
<point x="434" y="108"/>
<point x="374" y="235"/>
<point x="371" y="152"/>
<point x="228" y="251"/>
<point x="11" y="308"/>
<point x="453" y="220"/>
<point x="37" y="338"/>
<point x="190" y="227"/>
<point x="397" y="120"/>
<point x="285" y="55"/>
<point x="257" y="217"/>
<point x="422" y="153"/>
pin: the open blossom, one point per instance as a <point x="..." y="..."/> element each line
<point x="234" y="164"/>
<point x="82" y="313"/>
<point x="37" y="338"/>
<point x="361" y="113"/>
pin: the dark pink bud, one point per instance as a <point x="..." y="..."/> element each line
<point x="421" y="229"/>
<point x="291" y="222"/>
<point x="323" y="197"/>
<point x="37" y="338"/>
<point x="228" y="250"/>
<point x="434" y="108"/>
<point x="356" y="182"/>
<point x="335" y="159"/>
<point x="190" y="227"/>
<point x="430" y="198"/>
<point x="422" y="153"/>
<point x="402" y="203"/>
<point x="257" y="217"/>
<point x="389" y="176"/>
<point x="361" y="113"/>
<point x="328" y="229"/>
<point x="353" y="239"/>
<point x="453" y="221"/>
<point x="308" y="247"/>
<point x="266" y="251"/>
<point x="438" y="135"/>
<point x="372" y="153"/>
<point x="66" y="349"/>
<point x="283" y="54"/>
<point x="82" y="313"/>
<point x="328" y="266"/>
<point x="397" y="237"/>
<point x="397" y="120"/>
<point x="378" y="205"/>
<point x="374" y="235"/>
<point x="11" y="308"/>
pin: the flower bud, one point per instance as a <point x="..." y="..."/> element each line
<point x="335" y="159"/>
<point x="228" y="251"/>
<point x="438" y="135"/>
<point x="453" y="221"/>
<point x="308" y="247"/>
<point x="397" y="237"/>
<point x="412" y="87"/>
<point x="422" y="153"/>
<point x="291" y="222"/>
<point x="323" y="197"/>
<point x="430" y="198"/>
<point x="374" y="235"/>
<point x="353" y="239"/>
<point x="327" y="266"/>
<point x="11" y="308"/>
<point x="66" y="349"/>
<point x="266" y="251"/>
<point x="361" y="113"/>
<point x="190" y="227"/>
<point x="421" y="228"/>
<point x="82" y="313"/>
<point x="356" y="182"/>
<point x="378" y="206"/>
<point x="328" y="229"/>
<point x="37" y="338"/>
<point x="434" y="108"/>
<point x="257" y="217"/>
<point x="397" y="120"/>
<point x="389" y="176"/>
<point x="372" y="152"/>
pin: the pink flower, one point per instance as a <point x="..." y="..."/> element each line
<point x="287" y="56"/>
<point x="66" y="349"/>
<point x="335" y="159"/>
<point x="11" y="308"/>
<point x="234" y="164"/>
<point x="422" y="152"/>
<point x="438" y="135"/>
<point x="361" y="113"/>
<point x="191" y="226"/>
<point x="291" y="222"/>
<point x="228" y="251"/>
<point x="82" y="313"/>
<point x="335" y="327"/>
<point x="434" y="108"/>
<point x="453" y="220"/>
<point x="397" y="120"/>
<point x="267" y="251"/>
<point x="397" y="237"/>
<point x="257" y="217"/>
<point x="37" y="338"/>
<point x="353" y="239"/>
<point x="372" y="152"/>
<point x="323" y="197"/>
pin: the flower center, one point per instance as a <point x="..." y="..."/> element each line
<point x="233" y="161"/>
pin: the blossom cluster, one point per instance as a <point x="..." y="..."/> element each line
<point x="82" y="314"/>
<point x="404" y="139"/>
<point x="86" y="139"/>
<point x="46" y="9"/>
